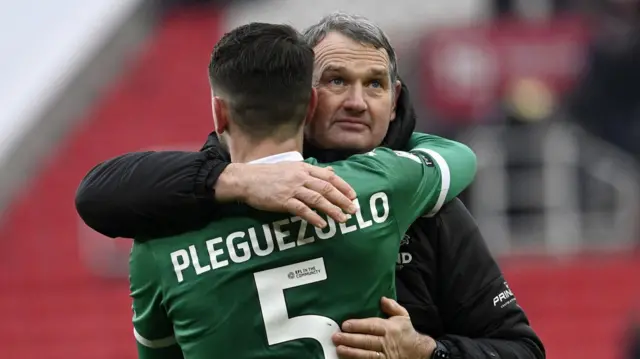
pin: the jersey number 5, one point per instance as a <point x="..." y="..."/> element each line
<point x="280" y="328"/>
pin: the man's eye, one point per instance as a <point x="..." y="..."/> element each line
<point x="337" y="81"/>
<point x="375" y="84"/>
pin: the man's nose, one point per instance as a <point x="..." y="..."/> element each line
<point x="355" y="102"/>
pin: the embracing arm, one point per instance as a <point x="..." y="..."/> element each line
<point x="145" y="193"/>
<point x="458" y="158"/>
<point x="479" y="312"/>
<point x="154" y="194"/>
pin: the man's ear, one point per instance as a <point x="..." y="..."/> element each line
<point x="220" y="114"/>
<point x="397" y="87"/>
<point x="313" y="104"/>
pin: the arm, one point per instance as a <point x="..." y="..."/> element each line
<point x="435" y="171"/>
<point x="156" y="194"/>
<point x="146" y="193"/>
<point x="459" y="158"/>
<point x="478" y="325"/>
<point x="152" y="328"/>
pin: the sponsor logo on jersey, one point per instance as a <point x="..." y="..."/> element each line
<point x="303" y="272"/>
<point x="504" y="298"/>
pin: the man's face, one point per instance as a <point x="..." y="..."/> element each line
<point x="356" y="99"/>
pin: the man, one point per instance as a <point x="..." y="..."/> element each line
<point x="446" y="277"/>
<point x="209" y="287"/>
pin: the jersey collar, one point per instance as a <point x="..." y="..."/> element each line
<point x="292" y="156"/>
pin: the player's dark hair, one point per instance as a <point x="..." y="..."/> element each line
<point x="264" y="72"/>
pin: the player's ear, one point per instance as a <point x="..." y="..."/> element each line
<point x="313" y="103"/>
<point x="220" y="114"/>
<point x="397" y="87"/>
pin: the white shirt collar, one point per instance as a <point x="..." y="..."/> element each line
<point x="292" y="156"/>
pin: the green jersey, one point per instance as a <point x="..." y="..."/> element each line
<point x="257" y="284"/>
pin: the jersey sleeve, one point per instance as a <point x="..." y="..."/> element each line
<point x="152" y="328"/>
<point x="420" y="181"/>
<point x="457" y="157"/>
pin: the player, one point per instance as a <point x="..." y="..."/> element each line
<point x="257" y="284"/>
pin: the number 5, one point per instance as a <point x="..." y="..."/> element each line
<point x="279" y="327"/>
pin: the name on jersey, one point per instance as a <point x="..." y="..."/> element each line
<point x="241" y="246"/>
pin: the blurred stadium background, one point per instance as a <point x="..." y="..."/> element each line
<point x="546" y="92"/>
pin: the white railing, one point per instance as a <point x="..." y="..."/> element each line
<point x="560" y="161"/>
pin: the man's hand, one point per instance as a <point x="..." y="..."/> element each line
<point x="377" y="338"/>
<point x="294" y="187"/>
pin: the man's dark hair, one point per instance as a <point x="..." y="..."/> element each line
<point x="264" y="72"/>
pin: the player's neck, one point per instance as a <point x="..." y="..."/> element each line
<point x="243" y="150"/>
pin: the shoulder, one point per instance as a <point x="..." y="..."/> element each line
<point x="453" y="224"/>
<point x="454" y="210"/>
<point x="455" y="220"/>
<point x="383" y="159"/>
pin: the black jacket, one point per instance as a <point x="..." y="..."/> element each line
<point x="446" y="277"/>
